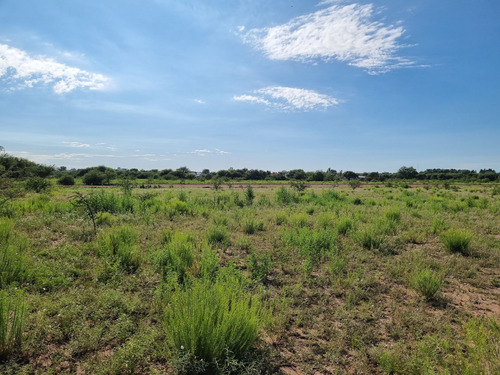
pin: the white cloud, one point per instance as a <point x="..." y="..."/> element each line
<point x="289" y="98"/>
<point x="22" y="70"/>
<point x="199" y="101"/>
<point x="205" y="152"/>
<point x="345" y="33"/>
<point x="76" y="144"/>
<point x="202" y="152"/>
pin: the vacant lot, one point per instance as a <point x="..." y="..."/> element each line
<point x="329" y="280"/>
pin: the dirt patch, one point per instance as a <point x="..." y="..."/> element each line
<point x="474" y="301"/>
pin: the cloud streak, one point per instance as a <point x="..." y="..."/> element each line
<point x="205" y="152"/>
<point x="346" y="33"/>
<point x="24" y="71"/>
<point x="288" y="98"/>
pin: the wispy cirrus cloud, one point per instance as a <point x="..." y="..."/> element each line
<point x="288" y="98"/>
<point x="76" y="144"/>
<point x="21" y="70"/>
<point x="347" y="33"/>
<point x="205" y="152"/>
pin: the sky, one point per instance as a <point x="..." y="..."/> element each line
<point x="273" y="85"/>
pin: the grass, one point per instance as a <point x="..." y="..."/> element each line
<point x="12" y="321"/>
<point x="427" y="283"/>
<point x="457" y="241"/>
<point x="211" y="322"/>
<point x="366" y="288"/>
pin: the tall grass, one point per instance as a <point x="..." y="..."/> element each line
<point x="427" y="283"/>
<point x="12" y="262"/>
<point x="457" y="241"/>
<point x="120" y="244"/>
<point x="177" y="256"/>
<point x="218" y="235"/>
<point x="12" y="320"/>
<point x="211" y="321"/>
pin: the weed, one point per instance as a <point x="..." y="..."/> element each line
<point x="176" y="257"/>
<point x="120" y="244"/>
<point x="212" y="321"/>
<point x="427" y="283"/>
<point x="457" y="241"/>
<point x="344" y="225"/>
<point x="249" y="195"/>
<point x="12" y="320"/>
<point x="37" y="184"/>
<point x="369" y="239"/>
<point x="285" y="197"/>
<point x="218" y="235"/>
<point x="260" y="266"/>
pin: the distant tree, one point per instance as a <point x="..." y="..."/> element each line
<point x="94" y="177"/>
<point x="350" y="175"/>
<point x="407" y="173"/>
<point x="296" y="174"/>
<point x="66" y="179"/>
<point x="318" y="176"/>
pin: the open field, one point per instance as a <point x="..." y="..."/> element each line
<point x="267" y="279"/>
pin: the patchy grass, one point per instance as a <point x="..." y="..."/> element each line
<point x="260" y="280"/>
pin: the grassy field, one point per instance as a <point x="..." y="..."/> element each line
<point x="262" y="280"/>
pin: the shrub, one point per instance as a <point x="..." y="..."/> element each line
<point x="218" y="235"/>
<point x="260" y="266"/>
<point x="67" y="180"/>
<point x="344" y="225"/>
<point x="209" y="265"/>
<point x="457" y="241"/>
<point x="12" y="319"/>
<point x="12" y="263"/>
<point x="120" y="244"/>
<point x="427" y="283"/>
<point x="37" y="184"/>
<point x="285" y="196"/>
<point x="249" y="195"/>
<point x="177" y="257"/>
<point x="211" y="322"/>
<point x="94" y="177"/>
<point x="249" y="226"/>
<point x="369" y="239"/>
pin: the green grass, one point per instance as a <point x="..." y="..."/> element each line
<point x="211" y="322"/>
<point x="365" y="288"/>
<point x="427" y="283"/>
<point x="457" y="241"/>
<point x="12" y="321"/>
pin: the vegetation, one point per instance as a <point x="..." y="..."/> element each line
<point x="382" y="279"/>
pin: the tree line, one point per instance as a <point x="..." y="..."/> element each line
<point x="20" y="168"/>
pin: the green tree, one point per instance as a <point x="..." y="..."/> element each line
<point x="407" y="172"/>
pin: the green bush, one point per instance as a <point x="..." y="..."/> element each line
<point x="37" y="184"/>
<point x="209" y="264"/>
<point x="94" y="177"/>
<point x="177" y="257"/>
<point x="218" y="235"/>
<point x="120" y="244"/>
<point x="249" y="195"/>
<point x="369" y="239"/>
<point x="260" y="266"/>
<point x="285" y="196"/>
<point x="12" y="262"/>
<point x="344" y="225"/>
<point x="457" y="241"/>
<point x="12" y="320"/>
<point x="427" y="283"/>
<point x="211" y="322"/>
<point x="67" y="180"/>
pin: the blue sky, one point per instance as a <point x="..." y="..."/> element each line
<point x="274" y="85"/>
